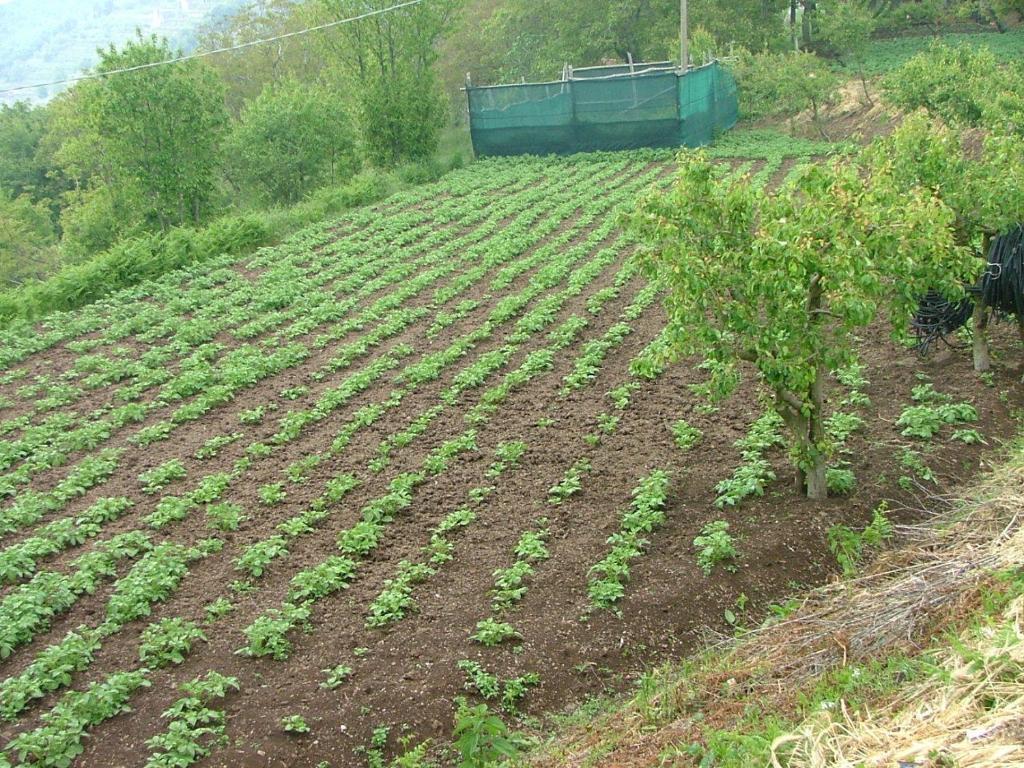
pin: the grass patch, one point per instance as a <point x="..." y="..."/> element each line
<point x="884" y="56"/>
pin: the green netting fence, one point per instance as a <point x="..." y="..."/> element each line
<point x="604" y="108"/>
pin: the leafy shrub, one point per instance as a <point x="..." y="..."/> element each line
<point x="195" y="728"/>
<point x="490" y="632"/>
<point x="268" y="634"/>
<point x="168" y="642"/>
<point x="224" y="517"/>
<point x="849" y="547"/>
<point x="158" y="478"/>
<point x="925" y="421"/>
<point x="685" y="436"/>
<point x="784" y="84"/>
<point x="290" y="139"/>
<point x="130" y="262"/>
<point x="481" y="738"/>
<point x="272" y="493"/>
<point x="840" y="481"/>
<point x="716" y="546"/>
<point x="962" y="85"/>
<point x="401" y="114"/>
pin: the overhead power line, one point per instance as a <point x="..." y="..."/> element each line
<point x="203" y="54"/>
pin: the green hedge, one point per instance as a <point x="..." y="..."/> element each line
<point x="151" y="256"/>
<point x="131" y="262"/>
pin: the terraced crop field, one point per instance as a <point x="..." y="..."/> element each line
<point x="283" y="511"/>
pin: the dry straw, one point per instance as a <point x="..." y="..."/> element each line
<point x="969" y="715"/>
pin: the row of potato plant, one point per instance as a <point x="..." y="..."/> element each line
<point x="197" y="378"/>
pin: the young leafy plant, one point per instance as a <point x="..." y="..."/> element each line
<point x="715" y="546"/>
<point x="295" y="724"/>
<point x="168" y="642"/>
<point x="685" y="436"/>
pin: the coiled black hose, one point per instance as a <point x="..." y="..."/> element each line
<point x="1001" y="287"/>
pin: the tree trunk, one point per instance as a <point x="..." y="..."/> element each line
<point x="817" y="120"/>
<point x="815" y="455"/>
<point x="864" y="84"/>
<point x="816" y="485"/>
<point x="792" y="25"/>
<point x="808" y="433"/>
<point x="982" y="358"/>
<point x="805" y="24"/>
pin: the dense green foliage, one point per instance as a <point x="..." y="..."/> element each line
<point x="784" y="280"/>
<point x="113" y="161"/>
<point x="156" y="130"/>
<point x="291" y="124"/>
<point x="289" y="140"/>
<point x="26" y="237"/>
<point x="884" y="55"/>
<point x="784" y="84"/>
<point x="390" y="60"/>
<point x="961" y="85"/>
<point x="130" y="262"/>
<point x="983" y="187"/>
<point x="22" y="168"/>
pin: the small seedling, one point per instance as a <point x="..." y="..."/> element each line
<point x="218" y="609"/>
<point x="716" y="546"/>
<point x="336" y="676"/>
<point x="294" y="724"/>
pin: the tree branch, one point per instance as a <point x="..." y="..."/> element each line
<point x="748" y="355"/>
<point x="788" y="398"/>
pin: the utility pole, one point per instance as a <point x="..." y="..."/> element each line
<point x="684" y="36"/>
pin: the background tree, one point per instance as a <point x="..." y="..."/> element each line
<point x="291" y="139"/>
<point x="22" y="169"/>
<point x="756" y="25"/>
<point x="100" y="204"/>
<point x="246" y="72"/>
<point x="387" y="61"/>
<point x="26" y="240"/>
<point x="960" y="85"/>
<point x="784" y="280"/>
<point x="846" y="28"/>
<point x="157" y="129"/>
<point x="785" y="84"/>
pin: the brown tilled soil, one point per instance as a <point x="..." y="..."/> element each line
<point x="407" y="676"/>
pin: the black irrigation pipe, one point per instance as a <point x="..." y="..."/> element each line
<point x="937" y="317"/>
<point x="1001" y="288"/>
<point x="1002" y="285"/>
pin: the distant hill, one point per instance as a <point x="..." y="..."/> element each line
<point x="45" y="40"/>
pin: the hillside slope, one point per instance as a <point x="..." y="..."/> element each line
<point x="426" y="450"/>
